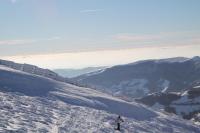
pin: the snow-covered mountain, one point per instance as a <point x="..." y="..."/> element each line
<point x="70" y="73"/>
<point x="32" y="69"/>
<point x="36" y="103"/>
<point x="143" y="77"/>
<point x="186" y="104"/>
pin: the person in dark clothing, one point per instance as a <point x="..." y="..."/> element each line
<point x="119" y="121"/>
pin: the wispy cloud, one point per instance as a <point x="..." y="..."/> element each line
<point x="135" y="38"/>
<point x="90" y="10"/>
<point x="171" y="38"/>
<point x="26" y="41"/>
<point x="53" y="38"/>
<point x="13" y="42"/>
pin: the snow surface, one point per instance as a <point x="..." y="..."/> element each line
<point x="134" y="85"/>
<point x="31" y="103"/>
<point x="165" y="85"/>
<point x="185" y="105"/>
<point x="197" y="86"/>
<point x="33" y="114"/>
<point x="32" y="70"/>
<point x="172" y="60"/>
<point x="95" y="72"/>
<point x="158" y="106"/>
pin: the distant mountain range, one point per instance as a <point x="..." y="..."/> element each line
<point x="172" y="85"/>
<point x="186" y="104"/>
<point x="145" y="77"/>
<point x="70" y="73"/>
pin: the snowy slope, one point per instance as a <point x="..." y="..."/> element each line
<point x="32" y="103"/>
<point x="32" y="70"/>
<point x="70" y="73"/>
<point x="32" y="114"/>
<point x="32" y="85"/>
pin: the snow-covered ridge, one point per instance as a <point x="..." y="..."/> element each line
<point x="70" y="73"/>
<point x="173" y="60"/>
<point x="32" y="70"/>
<point x="167" y="60"/>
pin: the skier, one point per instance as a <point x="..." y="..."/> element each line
<point x="118" y="121"/>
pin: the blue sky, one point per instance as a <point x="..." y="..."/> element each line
<point x="35" y="27"/>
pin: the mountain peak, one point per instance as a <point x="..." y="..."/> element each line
<point x="172" y="60"/>
<point x="196" y="58"/>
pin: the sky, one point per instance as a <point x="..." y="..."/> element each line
<point x="83" y="33"/>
